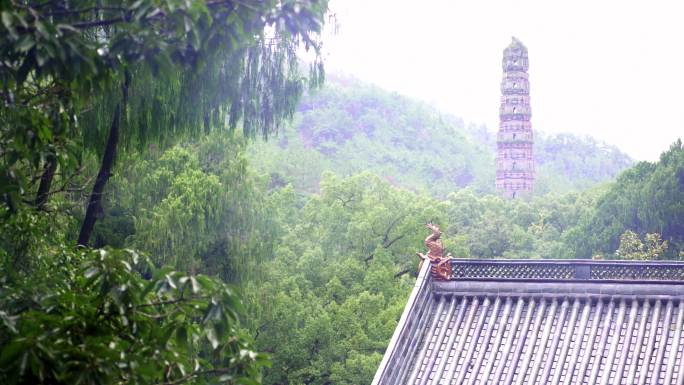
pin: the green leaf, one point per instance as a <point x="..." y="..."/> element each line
<point x="41" y="57"/>
<point x="11" y="351"/>
<point x="195" y="285"/>
<point x="25" y="43"/>
<point x="167" y="333"/>
<point x="91" y="272"/>
<point x="212" y="336"/>
<point x="171" y="281"/>
<point x="7" y="20"/>
<point x="40" y="27"/>
<point x="67" y="27"/>
<point x="9" y="321"/>
<point x="137" y="4"/>
<point x="246" y="381"/>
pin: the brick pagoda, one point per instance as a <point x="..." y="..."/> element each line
<point x="515" y="161"/>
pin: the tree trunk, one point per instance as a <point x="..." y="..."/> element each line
<point x="95" y="201"/>
<point x="94" y="207"/>
<point x="46" y="182"/>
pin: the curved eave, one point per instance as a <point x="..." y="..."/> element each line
<point x="392" y="364"/>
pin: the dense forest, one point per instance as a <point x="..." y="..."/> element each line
<point x="156" y="228"/>
<point x="96" y="90"/>
<point x="325" y="275"/>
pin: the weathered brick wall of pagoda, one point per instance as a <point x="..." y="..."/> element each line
<point x="515" y="160"/>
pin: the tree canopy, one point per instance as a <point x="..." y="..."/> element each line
<point x="86" y="83"/>
<point x="87" y="75"/>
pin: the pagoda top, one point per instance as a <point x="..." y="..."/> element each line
<point x="516" y="44"/>
<point x="515" y="56"/>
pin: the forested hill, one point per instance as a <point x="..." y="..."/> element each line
<point x="349" y="126"/>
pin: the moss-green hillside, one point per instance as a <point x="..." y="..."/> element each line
<point x="348" y="127"/>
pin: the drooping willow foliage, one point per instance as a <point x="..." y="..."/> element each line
<point x="97" y="89"/>
<point x="188" y="67"/>
<point x="197" y="207"/>
<point x="253" y="89"/>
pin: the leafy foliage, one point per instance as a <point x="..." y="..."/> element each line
<point x="631" y="246"/>
<point x="197" y="207"/>
<point x="184" y="67"/>
<point x="339" y="279"/>
<point x="648" y="198"/>
<point x="329" y="272"/>
<point x="337" y="291"/>
<point x="108" y="316"/>
<point x="87" y="79"/>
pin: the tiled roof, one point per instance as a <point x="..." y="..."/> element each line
<point x="533" y="326"/>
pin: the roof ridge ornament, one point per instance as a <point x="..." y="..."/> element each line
<point x="441" y="268"/>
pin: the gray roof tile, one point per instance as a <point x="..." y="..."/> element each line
<point x="487" y="332"/>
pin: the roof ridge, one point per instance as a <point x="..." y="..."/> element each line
<point x="567" y="270"/>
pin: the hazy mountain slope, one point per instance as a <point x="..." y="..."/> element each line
<point x="565" y="161"/>
<point x="350" y="126"/>
<point x="569" y="162"/>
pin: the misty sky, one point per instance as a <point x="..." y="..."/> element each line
<point x="610" y="69"/>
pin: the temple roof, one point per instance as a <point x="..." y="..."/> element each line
<point x="541" y="322"/>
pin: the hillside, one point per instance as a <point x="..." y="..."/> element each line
<point x="349" y="126"/>
<point x="566" y="162"/>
